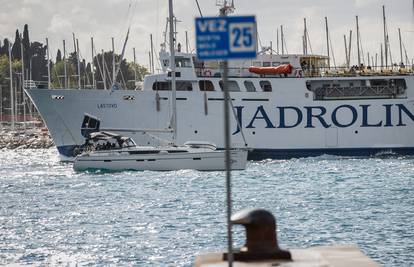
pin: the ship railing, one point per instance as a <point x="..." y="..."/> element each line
<point x="380" y="91"/>
<point x="30" y="84"/>
<point x="353" y="71"/>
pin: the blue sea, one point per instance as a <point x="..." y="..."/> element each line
<point x="52" y="216"/>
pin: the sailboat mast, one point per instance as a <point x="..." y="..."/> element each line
<point x="113" y="62"/>
<point x="92" y="65"/>
<point x="305" y="39"/>
<point x="48" y="64"/>
<point x="401" y="53"/>
<point x="64" y="65"/>
<point x="358" y="46"/>
<point x="327" y="41"/>
<point x="282" y="39"/>
<point x="349" y="48"/>
<point x="79" y="68"/>
<point x="152" y="55"/>
<point x="11" y="86"/>
<point x="346" y="52"/>
<point x="385" y="37"/>
<point x="172" y="66"/>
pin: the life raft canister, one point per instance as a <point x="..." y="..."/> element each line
<point x="281" y="69"/>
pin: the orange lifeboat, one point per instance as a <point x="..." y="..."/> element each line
<point x="281" y="69"/>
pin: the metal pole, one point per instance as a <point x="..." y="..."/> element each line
<point x="382" y="58"/>
<point x="48" y="64"/>
<point x="149" y="60"/>
<point x="11" y="88"/>
<point x="135" y="68"/>
<point x="79" y="70"/>
<point x="359" y="52"/>
<point x="104" y="69"/>
<point x="271" y="47"/>
<point x="113" y="61"/>
<point x="227" y="157"/>
<point x="227" y="154"/>
<point x="186" y="42"/>
<point x="349" y="48"/>
<point x="346" y="52"/>
<point x="23" y="93"/>
<point x="401" y="53"/>
<point x="281" y="39"/>
<point x="385" y="37"/>
<point x="152" y="56"/>
<point x="305" y="39"/>
<point x="327" y="41"/>
<point x="277" y="40"/>
<point x="172" y="66"/>
<point x="64" y="65"/>
<point x="92" y="65"/>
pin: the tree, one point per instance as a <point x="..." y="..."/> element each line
<point x="58" y="56"/>
<point x="58" y="74"/>
<point x="38" y="62"/>
<point x="126" y="75"/>
<point x="27" y="51"/>
<point x="4" y="50"/>
<point x="4" y="78"/>
<point x="16" y="49"/>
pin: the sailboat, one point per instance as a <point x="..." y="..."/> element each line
<point x="124" y="154"/>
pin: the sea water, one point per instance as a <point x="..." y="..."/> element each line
<point x="53" y="216"/>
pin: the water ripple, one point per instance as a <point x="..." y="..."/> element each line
<point x="50" y="215"/>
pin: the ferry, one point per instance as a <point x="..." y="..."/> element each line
<point x="308" y="109"/>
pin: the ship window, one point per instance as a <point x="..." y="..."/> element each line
<point x="249" y="86"/>
<point x="257" y="63"/>
<point x="266" y="86"/>
<point x="232" y="85"/>
<point x="161" y="86"/>
<point x="266" y="64"/>
<point x="166" y="86"/>
<point x="184" y="86"/>
<point x="182" y="62"/>
<point x="275" y="64"/>
<point x="206" y="85"/>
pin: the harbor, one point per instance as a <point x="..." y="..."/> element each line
<point x="215" y="137"/>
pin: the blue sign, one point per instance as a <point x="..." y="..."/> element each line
<point x="226" y="37"/>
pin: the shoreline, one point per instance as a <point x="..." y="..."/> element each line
<point x="32" y="138"/>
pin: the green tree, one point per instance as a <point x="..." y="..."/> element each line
<point x="126" y="75"/>
<point x="16" y="49"/>
<point x="27" y="51"/>
<point x="38" y="62"/>
<point x="58" y="74"/>
<point x="58" y="56"/>
<point x="5" y="79"/>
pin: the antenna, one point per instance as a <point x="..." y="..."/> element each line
<point x="227" y="6"/>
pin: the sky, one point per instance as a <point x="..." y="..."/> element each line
<point x="103" y="19"/>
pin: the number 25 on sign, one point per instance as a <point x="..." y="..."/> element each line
<point x="242" y="37"/>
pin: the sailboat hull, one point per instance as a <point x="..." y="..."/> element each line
<point x="120" y="161"/>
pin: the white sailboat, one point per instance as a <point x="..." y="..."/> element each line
<point x="127" y="155"/>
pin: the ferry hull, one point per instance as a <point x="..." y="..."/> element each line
<point x="287" y="122"/>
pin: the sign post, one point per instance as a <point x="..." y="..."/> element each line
<point x="224" y="38"/>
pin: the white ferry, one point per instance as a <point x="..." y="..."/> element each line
<point x="308" y="111"/>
